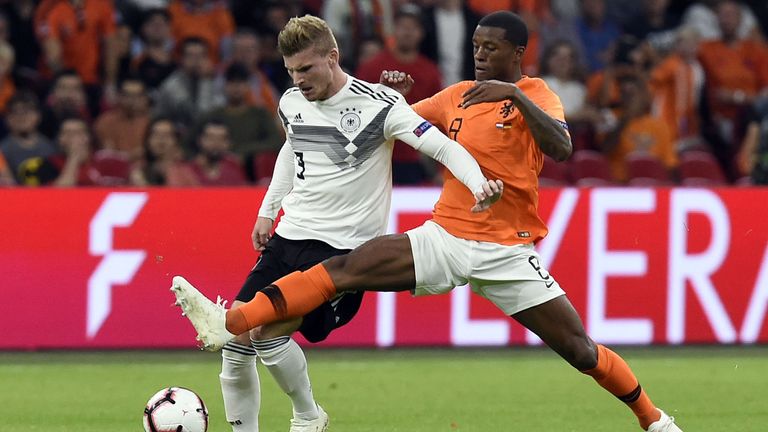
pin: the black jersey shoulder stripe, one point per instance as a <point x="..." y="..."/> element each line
<point x="376" y="96"/>
<point x="366" y="88"/>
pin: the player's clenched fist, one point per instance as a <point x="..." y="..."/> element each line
<point x="398" y="81"/>
<point x="261" y="232"/>
<point x="490" y="193"/>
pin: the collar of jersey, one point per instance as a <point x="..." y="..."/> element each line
<point x="339" y="95"/>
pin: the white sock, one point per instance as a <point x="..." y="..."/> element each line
<point x="287" y="364"/>
<point x="240" y="387"/>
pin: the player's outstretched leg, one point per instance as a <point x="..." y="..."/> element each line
<point x="559" y="326"/>
<point x="207" y="317"/>
<point x="286" y="362"/>
<point x="240" y="385"/>
<point x="382" y="264"/>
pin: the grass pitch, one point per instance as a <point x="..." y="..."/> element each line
<point x="707" y="389"/>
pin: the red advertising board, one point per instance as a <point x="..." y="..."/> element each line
<point x="91" y="268"/>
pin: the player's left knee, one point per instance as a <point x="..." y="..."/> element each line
<point x="584" y="354"/>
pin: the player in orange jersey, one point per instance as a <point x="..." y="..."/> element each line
<point x="507" y="121"/>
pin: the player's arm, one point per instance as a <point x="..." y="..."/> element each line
<point x="549" y="133"/>
<point x="404" y="124"/>
<point x="280" y="185"/>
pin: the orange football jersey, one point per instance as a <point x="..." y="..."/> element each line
<point x="499" y="139"/>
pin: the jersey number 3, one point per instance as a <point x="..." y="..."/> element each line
<point x="300" y="161"/>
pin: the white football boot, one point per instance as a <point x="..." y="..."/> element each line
<point x="664" y="424"/>
<point x="319" y="424"/>
<point x="208" y="318"/>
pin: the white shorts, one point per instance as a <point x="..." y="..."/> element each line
<point x="511" y="277"/>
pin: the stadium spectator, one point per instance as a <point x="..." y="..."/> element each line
<point x="677" y="84"/>
<point x="246" y="51"/>
<point x="736" y="70"/>
<point x="353" y="21"/>
<point x="7" y="87"/>
<point x="628" y="58"/>
<point x="25" y="148"/>
<point x="448" y="27"/>
<point x="155" y="61"/>
<point x="67" y="98"/>
<point x="73" y="165"/>
<point x="656" y="25"/>
<point x="163" y="162"/>
<point x="637" y="131"/>
<point x="561" y="70"/>
<point x="214" y="164"/>
<point x="408" y="167"/>
<point x="597" y="34"/>
<point x="20" y="15"/>
<point x="123" y="128"/>
<point x="702" y="16"/>
<point x="209" y="20"/>
<point x="252" y="129"/>
<point x="753" y="157"/>
<point x="79" y="35"/>
<point x="6" y="176"/>
<point x="190" y="90"/>
<point x="369" y="48"/>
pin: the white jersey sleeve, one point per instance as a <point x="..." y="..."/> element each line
<point x="281" y="183"/>
<point x="404" y="124"/>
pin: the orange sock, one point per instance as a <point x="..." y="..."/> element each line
<point x="292" y="296"/>
<point x="614" y="375"/>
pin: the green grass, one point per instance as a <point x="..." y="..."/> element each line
<point x="707" y="389"/>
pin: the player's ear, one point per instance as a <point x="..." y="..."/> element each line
<point x="519" y="51"/>
<point x="333" y="57"/>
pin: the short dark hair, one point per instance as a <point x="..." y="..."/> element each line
<point x="24" y="97"/>
<point x="236" y="72"/>
<point x="194" y="40"/>
<point x="515" y="30"/>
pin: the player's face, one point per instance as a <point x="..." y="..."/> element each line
<point x="495" y="57"/>
<point x="312" y="72"/>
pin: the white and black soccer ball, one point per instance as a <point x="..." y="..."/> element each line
<point x="175" y="409"/>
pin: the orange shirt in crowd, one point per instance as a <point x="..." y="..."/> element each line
<point x="645" y="134"/>
<point x="740" y="66"/>
<point x="7" y="89"/>
<point x="118" y="132"/>
<point x="602" y="94"/>
<point x="212" y="25"/>
<point x="80" y="32"/>
<point x="675" y="96"/>
<point x="498" y="138"/>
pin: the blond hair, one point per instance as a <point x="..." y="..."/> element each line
<point x="305" y="32"/>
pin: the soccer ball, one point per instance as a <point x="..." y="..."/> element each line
<point x="175" y="409"/>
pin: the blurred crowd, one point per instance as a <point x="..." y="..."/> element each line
<point x="185" y="92"/>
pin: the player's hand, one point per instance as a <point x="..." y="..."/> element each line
<point x="488" y="91"/>
<point x="261" y="232"/>
<point x="401" y="82"/>
<point x="492" y="190"/>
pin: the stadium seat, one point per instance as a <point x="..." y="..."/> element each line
<point x="646" y="170"/>
<point x="590" y="168"/>
<point x="110" y="168"/>
<point x="700" y="169"/>
<point x="264" y="165"/>
<point x="553" y="174"/>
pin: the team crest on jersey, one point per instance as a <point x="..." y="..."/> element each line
<point x="350" y="120"/>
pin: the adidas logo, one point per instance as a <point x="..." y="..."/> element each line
<point x="298" y="119"/>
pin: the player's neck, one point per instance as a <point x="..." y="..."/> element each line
<point x="338" y="82"/>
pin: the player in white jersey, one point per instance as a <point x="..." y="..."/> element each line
<point x="333" y="182"/>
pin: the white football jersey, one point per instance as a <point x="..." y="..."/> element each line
<point x="342" y="182"/>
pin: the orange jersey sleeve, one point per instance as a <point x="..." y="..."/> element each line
<point x="496" y="135"/>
